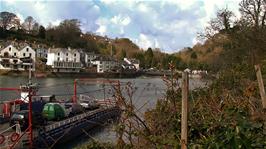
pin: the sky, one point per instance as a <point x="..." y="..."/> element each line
<point x="169" y="25"/>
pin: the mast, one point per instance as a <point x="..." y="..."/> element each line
<point x="30" y="109"/>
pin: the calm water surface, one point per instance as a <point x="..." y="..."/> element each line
<point x="146" y="93"/>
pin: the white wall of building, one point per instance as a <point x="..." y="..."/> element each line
<point x="10" y="58"/>
<point x="64" y="60"/>
<point x="105" y="65"/>
<point x="11" y="50"/>
<point x="28" y="52"/>
<point x="50" y="58"/>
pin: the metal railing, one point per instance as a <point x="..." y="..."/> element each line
<point x="8" y="143"/>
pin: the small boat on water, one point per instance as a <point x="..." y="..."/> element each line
<point x="52" y="131"/>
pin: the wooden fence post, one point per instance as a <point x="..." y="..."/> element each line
<point x="184" y="114"/>
<point x="261" y="86"/>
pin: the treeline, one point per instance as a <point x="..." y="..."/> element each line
<point x="66" y="34"/>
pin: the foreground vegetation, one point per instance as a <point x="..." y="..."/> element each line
<point x="226" y="114"/>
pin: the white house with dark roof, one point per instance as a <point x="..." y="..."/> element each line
<point x="106" y="64"/>
<point x="12" y="58"/>
<point x="64" y="60"/>
<point x="27" y="51"/>
<point x="89" y="57"/>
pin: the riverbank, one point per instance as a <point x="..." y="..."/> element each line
<point x="82" y="74"/>
<point x="93" y="74"/>
<point x="70" y="74"/>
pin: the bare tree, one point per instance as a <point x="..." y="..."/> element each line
<point x="253" y="15"/>
<point x="9" y="20"/>
<point x="35" y="28"/>
<point x="254" y="11"/>
<point x="222" y="22"/>
<point x="29" y="23"/>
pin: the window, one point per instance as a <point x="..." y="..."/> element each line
<point x="66" y="54"/>
<point x="30" y="55"/>
<point x="24" y="54"/>
<point x="75" y="54"/>
<point x="67" y="59"/>
<point x="74" y="59"/>
<point x="58" y="53"/>
<point x="9" y="48"/>
<point x="15" y="54"/>
<point x="58" y="59"/>
<point x="27" y="49"/>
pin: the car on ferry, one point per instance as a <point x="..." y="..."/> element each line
<point x="22" y="118"/>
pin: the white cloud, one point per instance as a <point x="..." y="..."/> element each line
<point x="56" y="22"/>
<point x="9" y="2"/>
<point x="101" y="30"/>
<point x="144" y="42"/>
<point x="108" y="2"/>
<point x="39" y="6"/>
<point x="142" y="7"/>
<point x="183" y="4"/>
<point x="20" y="16"/>
<point x="121" y="20"/>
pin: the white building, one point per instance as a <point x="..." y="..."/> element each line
<point x="89" y="57"/>
<point x="13" y="59"/>
<point x="64" y="60"/>
<point x="134" y="62"/>
<point x="28" y="52"/>
<point x="106" y="64"/>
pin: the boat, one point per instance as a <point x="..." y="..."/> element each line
<point x="53" y="132"/>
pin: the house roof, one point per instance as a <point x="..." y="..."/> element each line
<point x="105" y="58"/>
<point x="56" y="50"/>
<point x="19" y="48"/>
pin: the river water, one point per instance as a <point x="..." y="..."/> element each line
<point x="146" y="93"/>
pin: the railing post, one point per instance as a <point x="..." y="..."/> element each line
<point x="30" y="118"/>
<point x="261" y="86"/>
<point x="184" y="114"/>
<point x="75" y="91"/>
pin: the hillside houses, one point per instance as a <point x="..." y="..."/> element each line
<point x="89" y="57"/>
<point x="12" y="58"/>
<point x="21" y="57"/>
<point x="64" y="60"/>
<point x="106" y="64"/>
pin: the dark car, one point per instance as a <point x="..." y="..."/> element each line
<point x="73" y="109"/>
<point x="22" y="117"/>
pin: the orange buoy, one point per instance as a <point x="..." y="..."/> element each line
<point x="14" y="137"/>
<point x="2" y="139"/>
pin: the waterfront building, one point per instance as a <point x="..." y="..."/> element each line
<point x="133" y="62"/>
<point x="42" y="53"/>
<point x="64" y="60"/>
<point x="89" y="57"/>
<point x="11" y="58"/>
<point x="106" y="64"/>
